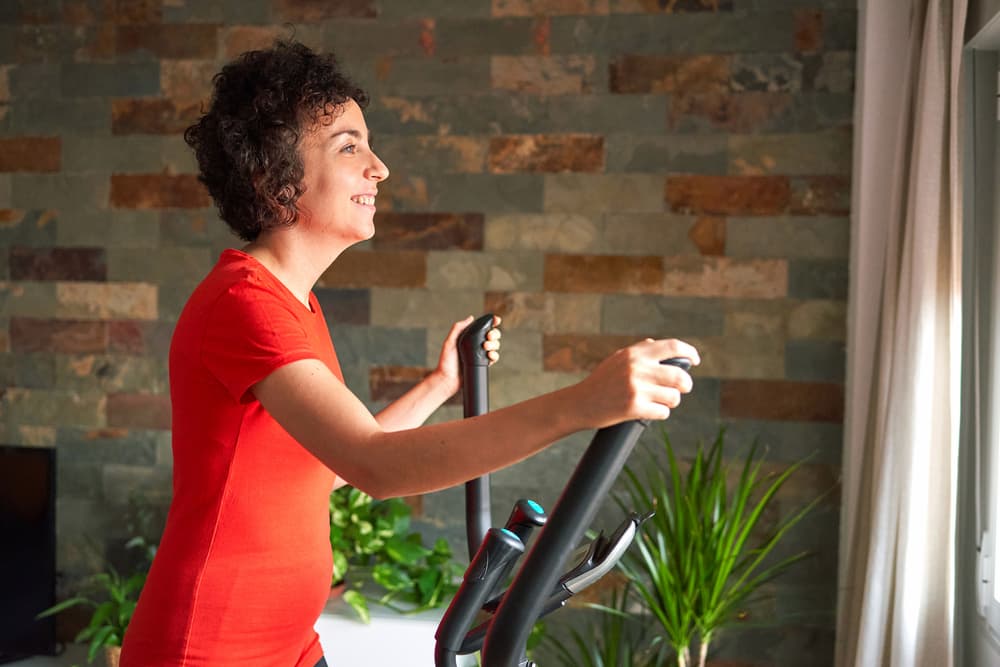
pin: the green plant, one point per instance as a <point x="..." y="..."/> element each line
<point x="697" y="562"/>
<point x="113" y="598"/>
<point x="369" y="535"/>
<point x="612" y="638"/>
<point x="110" y="594"/>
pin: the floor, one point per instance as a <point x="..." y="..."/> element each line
<point x="389" y="640"/>
<point x="74" y="654"/>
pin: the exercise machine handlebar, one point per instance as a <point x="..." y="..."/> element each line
<point x="537" y="589"/>
<point x="526" y="598"/>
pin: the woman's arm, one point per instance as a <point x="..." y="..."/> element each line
<point x="414" y="407"/>
<point x="326" y="418"/>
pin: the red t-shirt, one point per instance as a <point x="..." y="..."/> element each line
<point x="244" y="565"/>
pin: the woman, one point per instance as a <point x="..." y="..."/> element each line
<point x="263" y="425"/>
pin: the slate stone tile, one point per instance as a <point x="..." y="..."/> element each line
<point x="387" y="383"/>
<point x="416" y="308"/>
<point x="814" y="360"/>
<point x="659" y="317"/>
<point x="377" y="268"/>
<point x="60" y="191"/>
<point x="344" y="306"/>
<point x="545" y="75"/>
<point x="819" y="237"/>
<point x="57" y="263"/>
<point x="364" y="345"/>
<point x="138" y="410"/>
<point x="628" y="151"/>
<point x="37" y="116"/>
<point x="817" y="279"/>
<point x="684" y="74"/>
<point x="109" y="80"/>
<point x="34" y="228"/>
<point x="487" y="271"/>
<point x="766" y="72"/>
<point x="140" y="337"/>
<point x="495" y="36"/>
<point x="549" y="312"/>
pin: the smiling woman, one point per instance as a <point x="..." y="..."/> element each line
<point x="263" y="424"/>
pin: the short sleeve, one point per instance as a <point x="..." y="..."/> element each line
<point x="250" y="332"/>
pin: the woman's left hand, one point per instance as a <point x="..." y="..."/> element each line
<point x="448" y="363"/>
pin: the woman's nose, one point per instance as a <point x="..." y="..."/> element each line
<point x="377" y="170"/>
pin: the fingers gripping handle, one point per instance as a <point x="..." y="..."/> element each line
<point x="470" y="341"/>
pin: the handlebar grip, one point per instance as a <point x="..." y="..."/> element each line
<point x="682" y="363"/>
<point x="498" y="548"/>
<point x="525" y="517"/>
<point x="470" y="341"/>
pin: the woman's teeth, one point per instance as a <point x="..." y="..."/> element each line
<point x="366" y="200"/>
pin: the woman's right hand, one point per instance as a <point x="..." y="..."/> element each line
<point x="633" y="384"/>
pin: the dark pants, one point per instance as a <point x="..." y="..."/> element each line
<point x="321" y="663"/>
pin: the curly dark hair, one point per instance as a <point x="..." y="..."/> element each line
<point x="247" y="142"/>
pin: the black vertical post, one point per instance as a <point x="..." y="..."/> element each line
<point x="474" y="365"/>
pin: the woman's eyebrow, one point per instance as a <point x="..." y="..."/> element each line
<point x="357" y="134"/>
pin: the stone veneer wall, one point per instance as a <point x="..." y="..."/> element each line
<point x="593" y="170"/>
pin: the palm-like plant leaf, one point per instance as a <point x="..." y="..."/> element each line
<point x="697" y="561"/>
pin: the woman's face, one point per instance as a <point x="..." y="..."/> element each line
<point x="341" y="179"/>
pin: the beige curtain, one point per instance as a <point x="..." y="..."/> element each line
<point x="897" y="556"/>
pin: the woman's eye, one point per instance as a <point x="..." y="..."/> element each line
<point x="350" y="148"/>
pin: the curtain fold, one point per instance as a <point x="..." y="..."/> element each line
<point x="898" y="522"/>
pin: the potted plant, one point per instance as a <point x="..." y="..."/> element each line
<point x="697" y="561"/>
<point x="376" y="557"/>
<point x="112" y="595"/>
<point x="113" y="603"/>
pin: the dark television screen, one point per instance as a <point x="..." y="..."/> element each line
<point x="27" y="554"/>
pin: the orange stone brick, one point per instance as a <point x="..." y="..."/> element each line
<point x="169" y="40"/>
<point x="82" y="12"/>
<point x="139" y="411"/>
<point x="813" y="195"/>
<point x="428" y="44"/>
<point x="542" y="34"/>
<point x="240" y="39"/>
<point x="546" y="153"/>
<point x="670" y="74"/>
<point x="152" y="191"/>
<point x="728" y="195"/>
<point x="548" y="7"/>
<point x="377" y="268"/>
<point x="428" y="231"/>
<point x="709" y="235"/>
<point x="781" y="400"/>
<point x="808" y="30"/>
<point x="28" y="334"/>
<point x="152" y="116"/>
<point x="137" y="12"/>
<point x="724" y="277"/>
<point x="572" y="353"/>
<point x="33" y="154"/>
<point x="99" y="43"/>
<point x="603" y="274"/>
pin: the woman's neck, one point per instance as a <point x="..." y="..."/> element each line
<point x="296" y="264"/>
